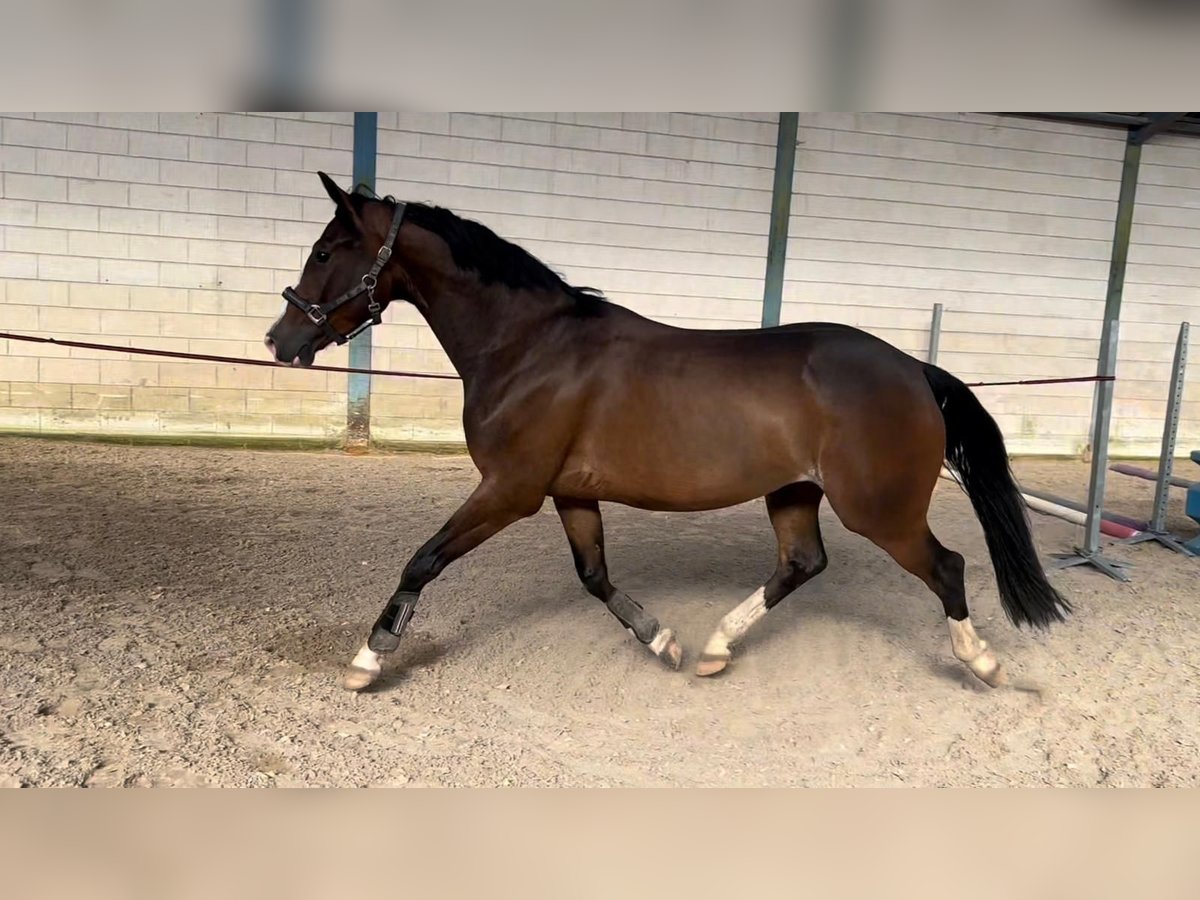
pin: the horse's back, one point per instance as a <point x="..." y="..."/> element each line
<point x="683" y="418"/>
<point x="827" y="361"/>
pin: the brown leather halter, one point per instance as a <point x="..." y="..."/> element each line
<point x="319" y="313"/>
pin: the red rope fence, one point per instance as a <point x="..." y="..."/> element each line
<point x="233" y="360"/>
<point x="206" y="357"/>
<point x="1043" y="381"/>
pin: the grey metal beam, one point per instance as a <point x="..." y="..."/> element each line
<point x="1159" y="122"/>
<point x="1189" y="127"/>
<point x="358" y="385"/>
<point x="781" y="210"/>
<point x="935" y="334"/>
<point x="1106" y="367"/>
<point x="1158" y="523"/>
<point x="1170" y="428"/>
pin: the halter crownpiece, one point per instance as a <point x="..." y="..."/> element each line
<point x="319" y="314"/>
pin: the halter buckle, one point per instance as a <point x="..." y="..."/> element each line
<point x="315" y="315"/>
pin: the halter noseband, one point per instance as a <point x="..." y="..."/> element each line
<point x="319" y="313"/>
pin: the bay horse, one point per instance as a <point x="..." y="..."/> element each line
<point x="575" y="398"/>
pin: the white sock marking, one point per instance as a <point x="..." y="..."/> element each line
<point x="973" y="650"/>
<point x="964" y="640"/>
<point x="367" y="660"/>
<point x="660" y="641"/>
<point x="736" y="623"/>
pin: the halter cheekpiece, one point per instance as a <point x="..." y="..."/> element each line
<point x="319" y="313"/>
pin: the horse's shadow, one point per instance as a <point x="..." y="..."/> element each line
<point x="417" y="651"/>
<point x="862" y="587"/>
<point x="723" y="573"/>
<point x="325" y="650"/>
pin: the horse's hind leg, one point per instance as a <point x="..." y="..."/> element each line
<point x="794" y="516"/>
<point x="585" y="533"/>
<point x="942" y="570"/>
<point x="889" y="505"/>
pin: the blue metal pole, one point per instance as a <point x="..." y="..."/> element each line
<point x="358" y="409"/>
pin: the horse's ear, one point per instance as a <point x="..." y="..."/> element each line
<point x="347" y="211"/>
<point x="336" y="194"/>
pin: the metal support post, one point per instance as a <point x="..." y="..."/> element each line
<point x="358" y="385"/>
<point x="781" y="210"/>
<point x="1166" y="460"/>
<point x="935" y="333"/>
<point x="1089" y="553"/>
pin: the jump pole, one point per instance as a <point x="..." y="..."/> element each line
<point x="1149" y="475"/>
<point x="1117" y="518"/>
<point x="1110" y="528"/>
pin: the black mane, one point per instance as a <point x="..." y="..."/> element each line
<point x="478" y="249"/>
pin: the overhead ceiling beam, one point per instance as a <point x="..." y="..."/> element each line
<point x="1149" y="124"/>
<point x="1159" y="122"/>
<point x="1117" y="120"/>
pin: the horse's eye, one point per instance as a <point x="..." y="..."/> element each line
<point x="321" y="256"/>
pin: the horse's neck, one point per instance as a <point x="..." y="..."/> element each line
<point x="485" y="329"/>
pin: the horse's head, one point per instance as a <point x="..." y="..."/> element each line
<point x="346" y="282"/>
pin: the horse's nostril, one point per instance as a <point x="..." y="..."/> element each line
<point x="270" y="345"/>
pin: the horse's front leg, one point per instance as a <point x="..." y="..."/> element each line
<point x="585" y="533"/>
<point x="491" y="508"/>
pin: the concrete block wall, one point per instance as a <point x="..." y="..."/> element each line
<point x="666" y="213"/>
<point x="1007" y="222"/>
<point x="1162" y="289"/>
<point x="172" y="231"/>
<point x="177" y="231"/>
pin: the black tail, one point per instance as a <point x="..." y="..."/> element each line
<point x="975" y="451"/>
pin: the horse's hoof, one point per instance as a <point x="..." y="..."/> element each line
<point x="987" y="669"/>
<point x="362" y="671"/>
<point x="355" y="679"/>
<point x="672" y="656"/>
<point x="667" y="649"/>
<point x="711" y="664"/>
